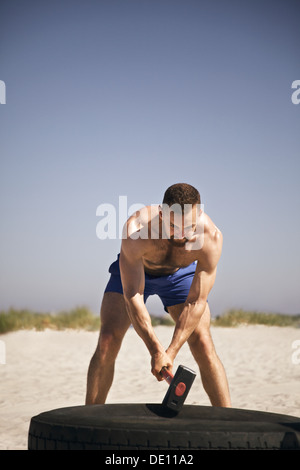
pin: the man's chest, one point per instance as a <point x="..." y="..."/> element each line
<point x="168" y="256"/>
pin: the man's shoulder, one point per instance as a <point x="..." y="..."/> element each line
<point x="141" y="224"/>
<point x="212" y="243"/>
<point x="137" y="231"/>
<point x="212" y="232"/>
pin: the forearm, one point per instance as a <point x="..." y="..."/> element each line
<point x="185" y="325"/>
<point x="141" y="322"/>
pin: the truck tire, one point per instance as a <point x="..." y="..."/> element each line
<point x="151" y="426"/>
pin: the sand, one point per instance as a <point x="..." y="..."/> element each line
<point x="47" y="370"/>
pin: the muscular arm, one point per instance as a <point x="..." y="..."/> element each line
<point x="195" y="303"/>
<point x="193" y="310"/>
<point x="133" y="281"/>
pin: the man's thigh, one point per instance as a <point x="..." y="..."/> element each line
<point x="200" y="341"/>
<point x="113" y="315"/>
<point x="175" y="311"/>
<point x="204" y="322"/>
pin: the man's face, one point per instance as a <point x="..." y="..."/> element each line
<point x="180" y="227"/>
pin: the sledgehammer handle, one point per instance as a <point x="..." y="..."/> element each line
<point x="167" y="375"/>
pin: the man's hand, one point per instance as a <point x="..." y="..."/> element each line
<point x="158" y="361"/>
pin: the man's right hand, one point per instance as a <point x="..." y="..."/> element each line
<point x="158" y="361"/>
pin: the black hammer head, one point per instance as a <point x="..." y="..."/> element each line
<point x="179" y="388"/>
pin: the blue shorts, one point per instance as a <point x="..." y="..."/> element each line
<point x="172" y="289"/>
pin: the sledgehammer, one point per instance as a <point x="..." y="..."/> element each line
<point x="179" y="387"/>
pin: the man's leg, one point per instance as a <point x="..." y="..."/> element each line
<point x="114" y="324"/>
<point x="211" y="369"/>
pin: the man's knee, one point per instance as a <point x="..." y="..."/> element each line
<point x="108" y="346"/>
<point x="202" y="346"/>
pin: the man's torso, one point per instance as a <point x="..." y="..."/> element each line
<point x="162" y="256"/>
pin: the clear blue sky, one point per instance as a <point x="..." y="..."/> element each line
<point x="109" y="98"/>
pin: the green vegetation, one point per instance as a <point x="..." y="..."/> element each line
<point x="165" y="320"/>
<point x="83" y="318"/>
<point x="241" y="317"/>
<point x="80" y="317"/>
<point x="77" y="318"/>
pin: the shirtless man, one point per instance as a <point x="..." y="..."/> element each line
<point x="174" y="255"/>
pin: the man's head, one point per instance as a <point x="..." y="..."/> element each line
<point x="181" y="193"/>
<point x="180" y="213"/>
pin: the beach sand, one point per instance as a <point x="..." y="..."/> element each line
<point x="47" y="370"/>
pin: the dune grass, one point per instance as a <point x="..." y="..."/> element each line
<point x="77" y="318"/>
<point x="241" y="317"/>
<point x="83" y="318"/>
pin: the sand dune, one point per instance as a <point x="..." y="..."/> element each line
<point x="47" y="370"/>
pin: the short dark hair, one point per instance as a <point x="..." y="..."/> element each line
<point x="181" y="193"/>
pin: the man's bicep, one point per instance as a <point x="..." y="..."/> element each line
<point x="132" y="270"/>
